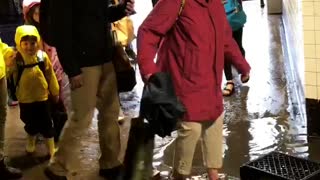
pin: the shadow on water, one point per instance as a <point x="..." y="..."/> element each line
<point x="28" y="161"/>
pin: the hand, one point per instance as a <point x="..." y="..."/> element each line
<point x="76" y="81"/>
<point x="245" y="78"/>
<point x="130" y="8"/>
<point x="55" y="99"/>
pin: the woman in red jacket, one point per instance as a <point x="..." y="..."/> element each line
<point x="192" y="47"/>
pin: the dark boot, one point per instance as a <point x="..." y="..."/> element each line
<point x="50" y="175"/>
<point x="9" y="173"/>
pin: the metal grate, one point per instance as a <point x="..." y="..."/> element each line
<point x="286" y="166"/>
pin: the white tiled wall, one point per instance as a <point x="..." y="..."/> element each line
<point x="311" y="33"/>
<point x="292" y="17"/>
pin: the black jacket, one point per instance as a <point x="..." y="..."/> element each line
<point x="80" y="30"/>
<point x="160" y="105"/>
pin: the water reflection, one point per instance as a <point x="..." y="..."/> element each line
<point x="265" y="136"/>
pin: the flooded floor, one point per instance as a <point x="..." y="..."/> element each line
<point x="257" y="116"/>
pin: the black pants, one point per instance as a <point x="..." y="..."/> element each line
<point x="37" y="118"/>
<point x="139" y="149"/>
<point x="237" y="36"/>
<point x="59" y="117"/>
<point x="11" y="88"/>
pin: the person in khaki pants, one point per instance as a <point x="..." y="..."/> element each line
<point x="84" y="46"/>
<point x="5" y="171"/>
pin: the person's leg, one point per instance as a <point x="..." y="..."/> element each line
<point x="229" y="87"/>
<point x="3" y="113"/>
<point x="58" y="111"/>
<point x="228" y="71"/>
<point x="83" y="104"/>
<point x="108" y="127"/>
<point x="262" y="3"/>
<point x="12" y="100"/>
<point x="27" y="114"/>
<point x="5" y="171"/>
<point x="237" y="36"/>
<point x="188" y="136"/>
<point x="45" y="125"/>
<point x="212" y="143"/>
<point x="139" y="152"/>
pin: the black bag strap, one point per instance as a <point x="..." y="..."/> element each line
<point x="21" y="65"/>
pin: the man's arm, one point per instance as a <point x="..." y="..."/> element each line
<point x="59" y="13"/>
<point x="116" y="12"/>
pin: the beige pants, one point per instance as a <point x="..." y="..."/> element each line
<point x="99" y="90"/>
<point x="3" y="112"/>
<point x="189" y="134"/>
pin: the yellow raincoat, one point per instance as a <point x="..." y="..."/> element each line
<point x="5" y="51"/>
<point x="34" y="85"/>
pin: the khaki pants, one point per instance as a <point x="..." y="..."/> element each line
<point x="99" y="90"/>
<point x="3" y="112"/>
<point x="188" y="135"/>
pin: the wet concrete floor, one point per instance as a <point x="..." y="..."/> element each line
<point x="257" y="116"/>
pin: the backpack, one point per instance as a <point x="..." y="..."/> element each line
<point x="235" y="14"/>
<point x="21" y="66"/>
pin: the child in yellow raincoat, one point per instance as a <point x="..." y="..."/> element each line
<point x="5" y="171"/>
<point x="35" y="84"/>
<point x="31" y="11"/>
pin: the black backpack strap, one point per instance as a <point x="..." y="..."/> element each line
<point x="21" y="66"/>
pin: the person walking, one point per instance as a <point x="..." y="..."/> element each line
<point x="85" y="53"/>
<point x="192" y="39"/>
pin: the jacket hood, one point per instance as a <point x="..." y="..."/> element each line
<point x="25" y="30"/>
<point x="27" y="5"/>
